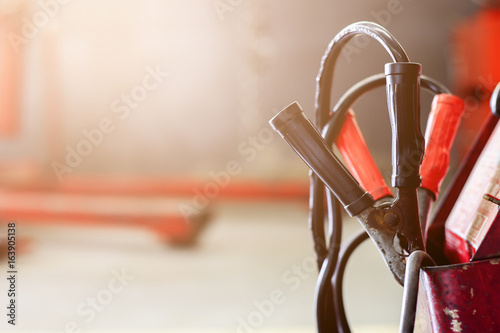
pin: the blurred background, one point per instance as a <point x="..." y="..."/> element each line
<point x="148" y="190"/>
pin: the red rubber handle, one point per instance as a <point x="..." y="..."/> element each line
<point x="440" y="133"/>
<point x="352" y="147"/>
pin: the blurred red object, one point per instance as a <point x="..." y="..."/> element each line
<point x="475" y="47"/>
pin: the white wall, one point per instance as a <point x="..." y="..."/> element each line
<point x="228" y="74"/>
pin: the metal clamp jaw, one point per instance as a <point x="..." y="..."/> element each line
<point x="393" y="228"/>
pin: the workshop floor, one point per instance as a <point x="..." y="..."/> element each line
<point x="252" y="271"/>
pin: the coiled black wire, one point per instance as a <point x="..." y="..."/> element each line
<point x="324" y="290"/>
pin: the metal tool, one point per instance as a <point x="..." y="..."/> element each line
<point x="362" y="164"/>
<point x="393" y="225"/>
<point x="327" y="255"/>
<point x="380" y="223"/>
<point x="364" y="167"/>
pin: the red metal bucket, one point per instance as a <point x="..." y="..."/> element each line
<point x="459" y="298"/>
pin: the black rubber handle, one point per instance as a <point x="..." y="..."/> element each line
<point x="304" y="138"/>
<point x="495" y="101"/>
<point x="403" y="100"/>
